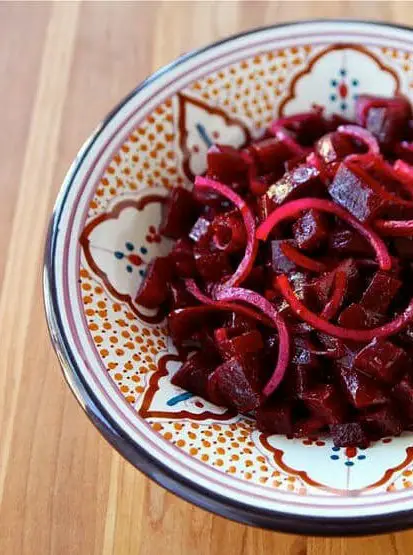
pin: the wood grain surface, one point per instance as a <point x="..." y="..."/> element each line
<point x="63" y="490"/>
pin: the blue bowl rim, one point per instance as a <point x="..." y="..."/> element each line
<point x="105" y="423"/>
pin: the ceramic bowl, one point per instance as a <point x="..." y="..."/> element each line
<point x="117" y="356"/>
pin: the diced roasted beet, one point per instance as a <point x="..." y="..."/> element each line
<point x="270" y="155"/>
<point x="226" y="163"/>
<point x="382" y="360"/>
<point x="325" y="402"/>
<point x="310" y="426"/>
<point x="182" y="258"/>
<point x="185" y="323"/>
<point x="201" y="232"/>
<point x="380" y="292"/>
<point x="238" y="324"/>
<point x="180" y="297"/>
<point x="211" y="265"/>
<point x="403" y="394"/>
<point x="179" y="213"/>
<point x="386" y="118"/>
<point x="275" y="418"/>
<point x="380" y="422"/>
<point x="280" y="262"/>
<point x="349" y="242"/>
<point x="333" y="147"/>
<point x="322" y="286"/>
<point x="304" y="371"/>
<point x="302" y="181"/>
<point x="311" y="230"/>
<point x="263" y="207"/>
<point x="357" y="192"/>
<point x="349" y="434"/>
<point x="238" y="382"/>
<point x="259" y="184"/>
<point x="357" y="317"/>
<point x="229" y="232"/>
<point x="307" y="127"/>
<point x="154" y="290"/>
<point x="247" y="342"/>
<point x="360" y="390"/>
<point x="193" y="374"/>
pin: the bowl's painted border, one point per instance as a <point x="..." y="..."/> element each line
<point x="137" y="455"/>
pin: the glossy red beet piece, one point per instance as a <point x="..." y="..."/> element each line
<point x="360" y="390"/>
<point x="275" y="418"/>
<point x="349" y="243"/>
<point x="226" y="163"/>
<point x="263" y="207"/>
<point x="185" y="323"/>
<point x="323" y="285"/>
<point x="180" y="298"/>
<point x="333" y="147"/>
<point x="381" y="421"/>
<point x="182" y="258"/>
<point x="243" y="344"/>
<point x="386" y="118"/>
<point x="212" y="265"/>
<point x="357" y="192"/>
<point x="380" y="292"/>
<point x="270" y="155"/>
<point x="279" y="261"/>
<point x="179" y="213"/>
<point x="306" y="127"/>
<point x="326" y="403"/>
<point x="154" y="289"/>
<point x="229" y="233"/>
<point x="334" y="347"/>
<point x="382" y="360"/>
<point x="349" y="434"/>
<point x="201" y="232"/>
<point x="357" y="317"/>
<point x="302" y="181"/>
<point x="311" y="427"/>
<point x="237" y="381"/>
<point x="193" y="374"/>
<point x="311" y="230"/>
<point x="238" y="324"/>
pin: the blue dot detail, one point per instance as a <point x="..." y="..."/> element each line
<point x="355" y="82"/>
<point x="119" y="255"/>
<point x="143" y="250"/>
<point x="333" y="97"/>
<point x="129" y="246"/>
<point x="129" y="269"/>
<point x="343" y="106"/>
<point x="335" y="449"/>
<point x="349" y="463"/>
<point x="142" y="273"/>
<point x="343" y="72"/>
<point x="334" y="457"/>
<point x="361" y="457"/>
<point x="334" y="83"/>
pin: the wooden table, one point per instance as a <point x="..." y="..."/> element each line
<point x="63" y="490"/>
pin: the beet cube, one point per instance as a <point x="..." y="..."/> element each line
<point x="349" y="242"/>
<point x="226" y="163"/>
<point x="404" y="247"/>
<point x="182" y="258"/>
<point x="386" y="118"/>
<point x="335" y="348"/>
<point x="201" y="232"/>
<point x="248" y="342"/>
<point x="380" y="293"/>
<point x="275" y="418"/>
<point x="311" y="230"/>
<point x="185" y="323"/>
<point x="237" y="382"/>
<point x="302" y="181"/>
<point x="380" y="422"/>
<point x="212" y="266"/>
<point x="269" y="155"/>
<point x="306" y="127"/>
<point x="153" y="290"/>
<point x="350" y="434"/>
<point x="179" y="213"/>
<point x="237" y="324"/>
<point x="356" y="191"/>
<point x="180" y="297"/>
<point x="334" y="147"/>
<point x="310" y="426"/>
<point x="382" y="360"/>
<point x="326" y="403"/>
<point x="193" y="374"/>
<point x="357" y="317"/>
<point x="360" y="390"/>
<point x="263" y="207"/>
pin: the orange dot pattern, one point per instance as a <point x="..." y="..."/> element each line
<point x="403" y="481"/>
<point x="401" y="60"/>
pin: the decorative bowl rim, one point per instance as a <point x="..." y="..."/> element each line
<point x="106" y="424"/>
